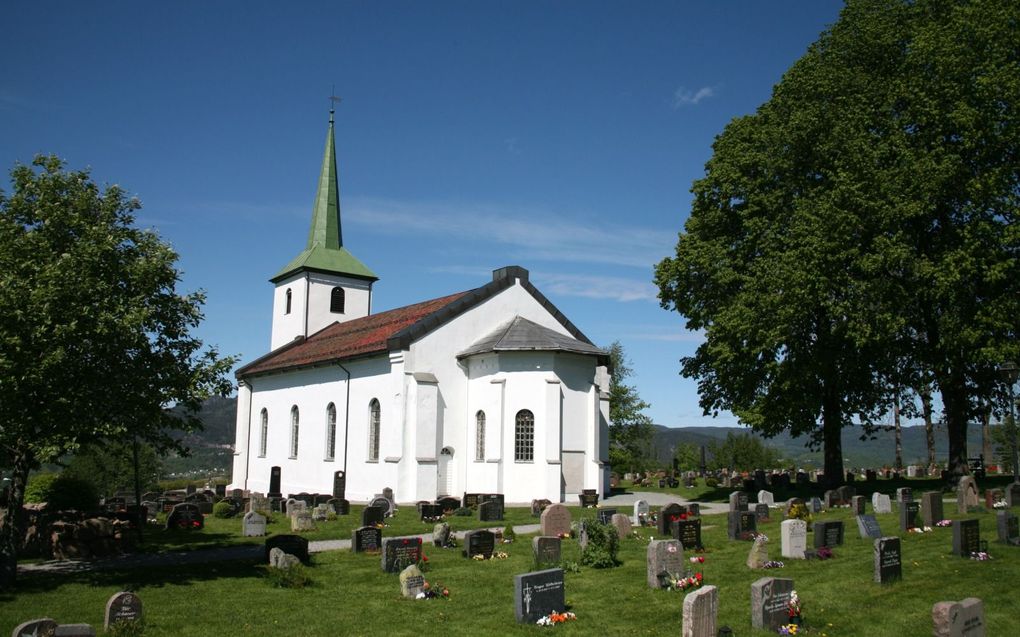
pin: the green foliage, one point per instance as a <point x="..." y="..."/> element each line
<point x="122" y="628"/>
<point x="40" y="487"/>
<point x="799" y="512"/>
<point x="630" y="430"/>
<point x="509" y="533"/>
<point x="1002" y="438"/>
<point x="688" y="456"/>
<point x="743" y="453"/>
<point x="223" y="510"/>
<point x="110" y="466"/>
<point x="62" y="492"/>
<point x="711" y="483"/>
<point x="603" y="545"/>
<point x="296" y="576"/>
<point x="464" y="512"/>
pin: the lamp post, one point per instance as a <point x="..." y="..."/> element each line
<point x="1010" y="371"/>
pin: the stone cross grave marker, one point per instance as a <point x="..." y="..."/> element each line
<point x="867" y="526"/>
<point x="931" y="507"/>
<point x="605" y="516"/>
<point x="366" y="539"/>
<point x="688" y="532"/>
<point x="293" y="544"/>
<point x="881" y="503"/>
<point x="253" y="524"/>
<point x="547" y="549"/>
<point x="537" y="594"/>
<point x="959" y="619"/>
<point x="910" y="516"/>
<point x="770" y="599"/>
<point x="828" y="533"/>
<point x="399" y="552"/>
<point x="42" y="627"/>
<point x="966" y="537"/>
<point x="700" y="610"/>
<point x="479" y="542"/>
<point x="1008" y="530"/>
<point x="793" y="538"/>
<point x="888" y="560"/>
<point x="555" y="520"/>
<point x="741" y="525"/>
<point x="412" y="581"/>
<point x="124" y="607"/>
<point x="966" y="495"/>
<point x="664" y="558"/>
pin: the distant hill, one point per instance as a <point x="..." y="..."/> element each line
<point x="856" y="453"/>
<point x="211" y="450"/>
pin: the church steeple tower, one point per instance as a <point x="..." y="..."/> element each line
<point x="324" y="283"/>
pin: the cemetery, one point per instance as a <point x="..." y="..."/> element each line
<point x="675" y="572"/>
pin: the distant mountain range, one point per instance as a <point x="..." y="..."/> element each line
<point x="211" y="448"/>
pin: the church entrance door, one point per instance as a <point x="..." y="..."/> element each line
<point x="444" y="481"/>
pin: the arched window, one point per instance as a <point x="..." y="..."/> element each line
<point x="524" y="438"/>
<point x="330" y="432"/>
<point x="480" y="436"/>
<point x="293" y="431"/>
<point x="374" y="418"/>
<point x="336" y="301"/>
<point x="264" y="434"/>
<point x="287" y="309"/>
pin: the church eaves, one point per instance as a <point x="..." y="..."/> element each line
<point x="325" y="251"/>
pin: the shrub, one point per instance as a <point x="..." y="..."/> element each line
<point x="62" y="492"/>
<point x="711" y="483"/>
<point x="603" y="544"/>
<point x="294" y="577"/>
<point x="121" y="628"/>
<point x="464" y="512"/>
<point x="509" y="534"/>
<point x="223" y="510"/>
<point x="39" y="488"/>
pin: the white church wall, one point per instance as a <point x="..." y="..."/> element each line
<point x="286" y="326"/>
<point x="243" y="443"/>
<point x="357" y="297"/>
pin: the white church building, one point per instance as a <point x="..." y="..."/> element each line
<point x="489" y="390"/>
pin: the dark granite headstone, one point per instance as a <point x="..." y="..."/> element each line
<point x="274" y="483"/>
<point x="693" y="508"/>
<point x="816" y="505"/>
<point x="689" y="534"/>
<point x="770" y="600"/>
<point x="383" y="505"/>
<point x="431" y="512"/>
<point x="490" y="507"/>
<point x="399" y="552"/>
<point x="186" y="516"/>
<point x="910" y="516"/>
<point x="761" y="511"/>
<point x="588" y="498"/>
<point x="1006" y="524"/>
<point x="470" y="499"/>
<point x="448" y="504"/>
<point x="339" y="485"/>
<point x="867" y="525"/>
<point x="828" y="533"/>
<point x="667" y="516"/>
<point x="857" y="504"/>
<point x="479" y="542"/>
<point x="537" y="594"/>
<point x="340" y="506"/>
<point x="931" y="507"/>
<point x="605" y="516"/>
<point x="366" y="539"/>
<point x="741" y="525"/>
<point x="371" y="516"/>
<point x="123" y="607"/>
<point x="547" y="549"/>
<point x="888" y="560"/>
<point x="966" y="537"/>
<point x="1013" y="495"/>
<point x="293" y="544"/>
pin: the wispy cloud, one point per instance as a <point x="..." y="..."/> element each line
<point x="596" y="287"/>
<point x="672" y="335"/>
<point x="532" y="233"/>
<point x="686" y="97"/>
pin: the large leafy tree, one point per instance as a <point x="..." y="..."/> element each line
<point x="96" y="340"/>
<point x="630" y="430"/>
<point x="855" y="233"/>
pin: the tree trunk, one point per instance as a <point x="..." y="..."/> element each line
<point x="9" y="523"/>
<point x="832" y="432"/>
<point x="986" y="434"/>
<point x="954" y="398"/>
<point x="929" y="430"/>
<point x="899" y="434"/>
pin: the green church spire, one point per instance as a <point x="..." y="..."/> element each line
<point x="325" y="251"/>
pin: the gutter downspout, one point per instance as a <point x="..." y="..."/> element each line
<point x="247" y="445"/>
<point x="347" y="417"/>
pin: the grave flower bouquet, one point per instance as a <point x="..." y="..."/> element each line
<point x="556" y="618"/>
<point x="999" y="504"/>
<point x="825" y="553"/>
<point x="685" y="582"/>
<point x="793" y="610"/>
<point x="944" y="523"/>
<point x="980" y="556"/>
<point x="920" y="529"/>
<point x="430" y="591"/>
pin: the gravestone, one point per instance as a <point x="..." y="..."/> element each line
<point x="700" y="609"/>
<point x="622" y="525"/>
<point x="828" y="533"/>
<point x="388" y="494"/>
<point x="766" y="498"/>
<point x="761" y="512"/>
<point x="664" y="558"/>
<point x="449" y="504"/>
<point x="537" y="506"/>
<point x="959" y="619"/>
<point x="1008" y="530"/>
<point x="910" y="516"/>
<point x="429" y="512"/>
<point x="366" y="539"/>
<point x="292" y="544"/>
<point x="741" y="525"/>
<point x="383" y="504"/>
<point x="412" y="581"/>
<point x="966" y="495"/>
<point x="340" y="506"/>
<point x="881" y="503"/>
<point x="770" y="599"/>
<point x="441" y="534"/>
<point x="605" y="516"/>
<point x="793" y="538"/>
<point x="830" y="498"/>
<point x="372" y="516"/>
<point x="258" y="502"/>
<point x="479" y="542"/>
<point x="274" y="483"/>
<point x="792" y="502"/>
<point x="992" y="496"/>
<point x="185" y="516"/>
<point x="640" y="512"/>
<point x="339" y="485"/>
<point x="42" y="627"/>
<point x="320" y="513"/>
<point x="667" y="516"/>
<point x="966" y="537"/>
<point x="301" y="522"/>
<point x="123" y="607"/>
<point x="888" y="560"/>
<point x="470" y="499"/>
<point x="759" y="479"/>
<point x="693" y="508"/>
<point x="688" y="532"/>
<point x="398" y="552"/>
<point x="870" y="475"/>
<point x="816" y="505"/>
<point x="846" y="493"/>
<point x="857" y="504"/>
<point x="588" y="498"/>
<point x="867" y="526"/>
<point x="759" y="553"/>
<point x="903" y="495"/>
<point x="537" y="594"/>
<point x="738" y="501"/>
<point x="282" y="560"/>
<point x="931" y="507"/>
<point x="555" y="520"/>
<point x="253" y="524"/>
<point x="547" y="549"/>
<point x="74" y="630"/>
<point x="1013" y="495"/>
<point x="490" y="507"/>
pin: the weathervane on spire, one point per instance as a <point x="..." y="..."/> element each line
<point x="334" y="99"/>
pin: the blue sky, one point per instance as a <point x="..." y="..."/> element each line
<point x="559" y="136"/>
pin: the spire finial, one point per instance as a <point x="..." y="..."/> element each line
<point x="334" y="100"/>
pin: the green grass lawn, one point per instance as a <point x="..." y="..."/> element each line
<point x="350" y="595"/>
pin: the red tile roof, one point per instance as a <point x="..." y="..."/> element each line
<point x="351" y="339"/>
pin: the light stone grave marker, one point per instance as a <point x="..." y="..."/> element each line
<point x="664" y="557"/>
<point x="793" y="536"/>
<point x="700" y="610"/>
<point x="555" y="520"/>
<point x="253" y="524"/>
<point x="959" y="619"/>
